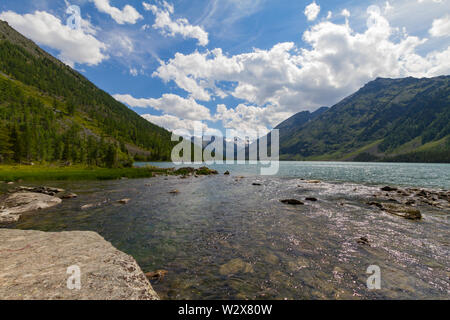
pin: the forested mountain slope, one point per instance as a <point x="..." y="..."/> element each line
<point x="386" y="120"/>
<point x="51" y="113"/>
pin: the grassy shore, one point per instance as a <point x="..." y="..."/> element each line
<point x="54" y="173"/>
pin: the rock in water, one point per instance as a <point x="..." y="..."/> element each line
<point x="292" y="202"/>
<point x="157" y="275"/>
<point x="87" y="206"/>
<point x="45" y="190"/>
<point x="256" y="184"/>
<point x="388" y="189"/>
<point x="236" y="266"/>
<point x="35" y="266"/>
<point x="313" y="181"/>
<point x="69" y="196"/>
<point x="124" y="201"/>
<point x="227" y="173"/>
<point x="311" y="199"/>
<point x="363" y="241"/>
<point x="17" y="203"/>
<point x="406" y="212"/>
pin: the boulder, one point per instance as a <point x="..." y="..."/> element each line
<point x="36" y="265"/>
<point x="227" y="173"/>
<point x="311" y="199"/>
<point x="124" y="201"/>
<point x="256" y="184"/>
<point x="21" y="202"/>
<point x="313" y="181"/>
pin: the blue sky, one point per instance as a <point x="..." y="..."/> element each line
<point x="238" y="64"/>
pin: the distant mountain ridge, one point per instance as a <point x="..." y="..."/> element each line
<point x="387" y="120"/>
<point x="50" y="112"/>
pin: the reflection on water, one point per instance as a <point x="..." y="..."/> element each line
<point x="221" y="237"/>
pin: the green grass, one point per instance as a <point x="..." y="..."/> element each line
<point x="55" y="173"/>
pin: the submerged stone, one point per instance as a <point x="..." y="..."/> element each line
<point x="388" y="189"/>
<point x="236" y="266"/>
<point x="292" y="202"/>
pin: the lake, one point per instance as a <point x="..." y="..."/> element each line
<point x="222" y="237"/>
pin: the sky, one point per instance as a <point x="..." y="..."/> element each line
<point x="241" y="65"/>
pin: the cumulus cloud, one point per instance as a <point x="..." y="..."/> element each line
<point x="74" y="46"/>
<point x="181" y="127"/>
<point x="169" y="104"/>
<point x="172" y="28"/>
<point x="247" y="120"/>
<point x="286" y="79"/>
<point x="312" y="11"/>
<point x="441" y="27"/>
<point x="127" y="15"/>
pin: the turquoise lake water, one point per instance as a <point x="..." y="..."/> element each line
<point x="402" y="174"/>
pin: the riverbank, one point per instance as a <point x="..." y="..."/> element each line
<point x="35" y="265"/>
<point x="11" y="173"/>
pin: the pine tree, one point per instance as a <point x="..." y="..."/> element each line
<point x="5" y="145"/>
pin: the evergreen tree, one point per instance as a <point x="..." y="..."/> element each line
<point x="5" y="145"/>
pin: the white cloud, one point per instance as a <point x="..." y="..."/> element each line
<point x="127" y="15"/>
<point x="180" y="26"/>
<point x="249" y="120"/>
<point x="181" y="127"/>
<point x="345" y="13"/>
<point x="169" y="104"/>
<point x="441" y="27"/>
<point x="134" y="72"/>
<point x="285" y="79"/>
<point x="312" y="11"/>
<point x="75" y="46"/>
<point x="388" y="7"/>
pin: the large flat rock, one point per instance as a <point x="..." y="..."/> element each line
<point x="12" y="206"/>
<point x="33" y="265"/>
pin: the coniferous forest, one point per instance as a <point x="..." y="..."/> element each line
<point x="50" y="113"/>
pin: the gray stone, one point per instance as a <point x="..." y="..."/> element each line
<point x="33" y="265"/>
<point x="12" y="206"/>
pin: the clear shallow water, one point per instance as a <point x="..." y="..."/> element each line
<point x="221" y="237"/>
<point x="401" y="174"/>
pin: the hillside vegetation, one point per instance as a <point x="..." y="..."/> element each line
<point x="405" y="120"/>
<point x="51" y="113"/>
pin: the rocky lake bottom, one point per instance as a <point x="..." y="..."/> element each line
<point x="231" y="237"/>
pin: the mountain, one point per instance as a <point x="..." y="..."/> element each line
<point x="387" y="120"/>
<point x="51" y="113"/>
